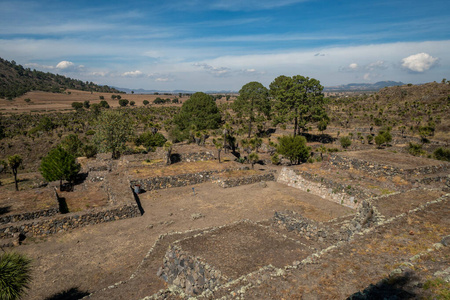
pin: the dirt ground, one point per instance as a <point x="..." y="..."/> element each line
<point x="94" y="257"/>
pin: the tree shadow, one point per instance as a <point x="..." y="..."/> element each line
<point x="322" y="138"/>
<point x="63" y="208"/>
<point x="5" y="210"/>
<point x="138" y="201"/>
<point x="80" y="178"/>
<point x="174" y="158"/>
<point x="70" y="294"/>
<point x="388" y="288"/>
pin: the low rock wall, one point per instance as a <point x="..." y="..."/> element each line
<point x="164" y="182"/>
<point x="328" y="190"/>
<point x="232" y="182"/>
<point x="188" y="272"/>
<point x="69" y="221"/>
<point x="29" y="215"/>
<point x="197" y="156"/>
<point x="378" y="169"/>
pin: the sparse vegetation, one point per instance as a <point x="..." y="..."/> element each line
<point x="294" y="148"/>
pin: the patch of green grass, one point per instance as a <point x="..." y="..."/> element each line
<point x="439" y="288"/>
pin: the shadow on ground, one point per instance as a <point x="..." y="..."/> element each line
<point x="70" y="294"/>
<point x="398" y="287"/>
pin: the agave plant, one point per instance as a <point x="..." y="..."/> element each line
<point x="15" y="275"/>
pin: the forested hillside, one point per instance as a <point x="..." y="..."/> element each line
<point x="15" y="80"/>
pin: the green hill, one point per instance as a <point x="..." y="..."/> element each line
<point x="15" y="80"/>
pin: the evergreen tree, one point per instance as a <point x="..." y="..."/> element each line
<point x="114" y="129"/>
<point x="60" y="165"/>
<point x="252" y="104"/>
<point x="299" y="99"/>
<point x="200" y="110"/>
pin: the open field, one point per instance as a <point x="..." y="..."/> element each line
<point x="42" y="102"/>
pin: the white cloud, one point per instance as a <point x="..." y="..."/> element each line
<point x="367" y="76"/>
<point x="65" y="64"/>
<point x="162" y="79"/>
<point x="136" y="73"/>
<point x="216" y="71"/>
<point x="379" y="64"/>
<point x="353" y="66"/>
<point x="419" y="62"/>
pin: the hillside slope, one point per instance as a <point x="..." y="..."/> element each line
<point x="404" y="108"/>
<point x="15" y="80"/>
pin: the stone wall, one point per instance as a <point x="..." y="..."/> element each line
<point x="69" y="221"/>
<point x="188" y="272"/>
<point x="164" y="182"/>
<point x="197" y="156"/>
<point x="29" y="215"/>
<point x="232" y="182"/>
<point x="377" y="169"/>
<point x="328" y="190"/>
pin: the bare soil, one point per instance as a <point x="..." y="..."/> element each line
<point x="94" y="257"/>
<point x="244" y="248"/>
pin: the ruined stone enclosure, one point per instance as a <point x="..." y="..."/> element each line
<point x="398" y="230"/>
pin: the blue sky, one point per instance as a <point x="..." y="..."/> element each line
<point x="202" y="45"/>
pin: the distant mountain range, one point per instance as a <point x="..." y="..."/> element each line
<point x="352" y="87"/>
<point x="355" y="87"/>
<point x="144" y="91"/>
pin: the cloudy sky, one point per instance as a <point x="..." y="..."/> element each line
<point x="202" y="45"/>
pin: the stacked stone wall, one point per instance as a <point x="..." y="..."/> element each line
<point x="328" y="189"/>
<point x="378" y="169"/>
<point x="164" y="182"/>
<point x="29" y="215"/>
<point x="233" y="182"/>
<point x="70" y="221"/>
<point x="188" y="272"/>
<point x="197" y="156"/>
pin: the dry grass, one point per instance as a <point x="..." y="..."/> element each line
<point x="181" y="168"/>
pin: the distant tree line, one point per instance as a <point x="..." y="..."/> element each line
<point x="15" y="80"/>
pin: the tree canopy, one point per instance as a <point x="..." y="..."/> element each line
<point x="114" y="129"/>
<point x="297" y="98"/>
<point x="60" y="165"/>
<point x="201" y="111"/>
<point x="252" y="104"/>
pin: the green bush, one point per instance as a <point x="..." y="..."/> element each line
<point x="89" y="150"/>
<point x="442" y="154"/>
<point x="150" y="140"/>
<point x="294" y="148"/>
<point x="104" y="104"/>
<point x="77" y="105"/>
<point x="345" y="142"/>
<point x="275" y="159"/>
<point x="123" y="102"/>
<point x="415" y="149"/>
